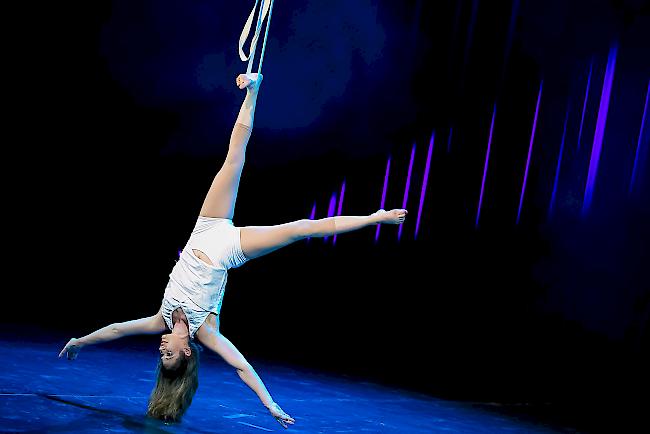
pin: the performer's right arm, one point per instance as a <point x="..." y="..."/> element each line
<point x="149" y="325"/>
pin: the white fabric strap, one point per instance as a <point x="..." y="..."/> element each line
<point x="261" y="16"/>
<point x="266" y="35"/>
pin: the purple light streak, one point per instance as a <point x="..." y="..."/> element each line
<point x="424" y="183"/>
<point x="383" y="196"/>
<point x="600" y="129"/>
<point x="406" y="189"/>
<point x="451" y="133"/>
<point x="638" y="145"/>
<point x="551" y="207"/>
<point x="330" y="210"/>
<point x="485" y="167"/>
<point x="584" y="105"/>
<point x="312" y="216"/>
<point x="530" y="151"/>
<point x="340" y="206"/>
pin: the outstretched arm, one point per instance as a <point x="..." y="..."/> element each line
<point x="210" y="337"/>
<point x="149" y="325"/>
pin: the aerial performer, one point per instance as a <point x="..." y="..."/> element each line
<point x="189" y="312"/>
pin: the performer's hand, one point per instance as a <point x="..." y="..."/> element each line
<point x="249" y="81"/>
<point x="279" y="415"/>
<point x="72" y="349"/>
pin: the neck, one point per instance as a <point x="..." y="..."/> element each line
<point x="180" y="329"/>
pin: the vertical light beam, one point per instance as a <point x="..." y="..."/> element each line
<point x="551" y="207"/>
<point x="600" y="129"/>
<point x="584" y="105"/>
<point x="406" y="189"/>
<point x="530" y="152"/>
<point x="485" y="166"/>
<point x="330" y="210"/>
<point x="339" y="209"/>
<point x="383" y="196"/>
<point x="424" y="183"/>
<point x="451" y="133"/>
<point x="638" y="144"/>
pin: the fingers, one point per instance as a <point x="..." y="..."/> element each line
<point x="285" y="417"/>
<point x="65" y="349"/>
<point x="70" y="354"/>
<point x="285" y="421"/>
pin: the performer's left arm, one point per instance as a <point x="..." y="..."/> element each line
<point x="212" y="339"/>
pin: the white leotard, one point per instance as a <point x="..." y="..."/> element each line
<point x="195" y="286"/>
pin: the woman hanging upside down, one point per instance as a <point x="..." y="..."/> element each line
<point x="192" y="300"/>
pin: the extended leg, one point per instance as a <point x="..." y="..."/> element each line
<point x="258" y="241"/>
<point x="221" y="198"/>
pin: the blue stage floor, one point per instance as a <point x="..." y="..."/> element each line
<point x="106" y="389"/>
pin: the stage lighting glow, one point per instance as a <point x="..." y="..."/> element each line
<point x="530" y="152"/>
<point x="406" y="189"/>
<point x="600" y="129"/>
<point x="485" y="166"/>
<point x="339" y="209"/>
<point x="383" y="196"/>
<point x="638" y="144"/>
<point x="557" y="169"/>
<point x="584" y="104"/>
<point x="330" y="210"/>
<point x="424" y="183"/>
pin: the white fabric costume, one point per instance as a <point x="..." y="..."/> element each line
<point x="195" y="286"/>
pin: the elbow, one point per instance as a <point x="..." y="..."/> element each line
<point x="245" y="368"/>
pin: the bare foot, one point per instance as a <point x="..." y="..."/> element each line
<point x="250" y="81"/>
<point x="393" y="217"/>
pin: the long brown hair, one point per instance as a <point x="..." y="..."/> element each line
<point x="174" y="389"/>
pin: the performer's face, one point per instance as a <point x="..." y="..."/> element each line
<point x="172" y="350"/>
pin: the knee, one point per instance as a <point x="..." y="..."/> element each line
<point x="235" y="159"/>
<point x="303" y="229"/>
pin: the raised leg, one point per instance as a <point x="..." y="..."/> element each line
<point x="258" y="241"/>
<point x="222" y="195"/>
